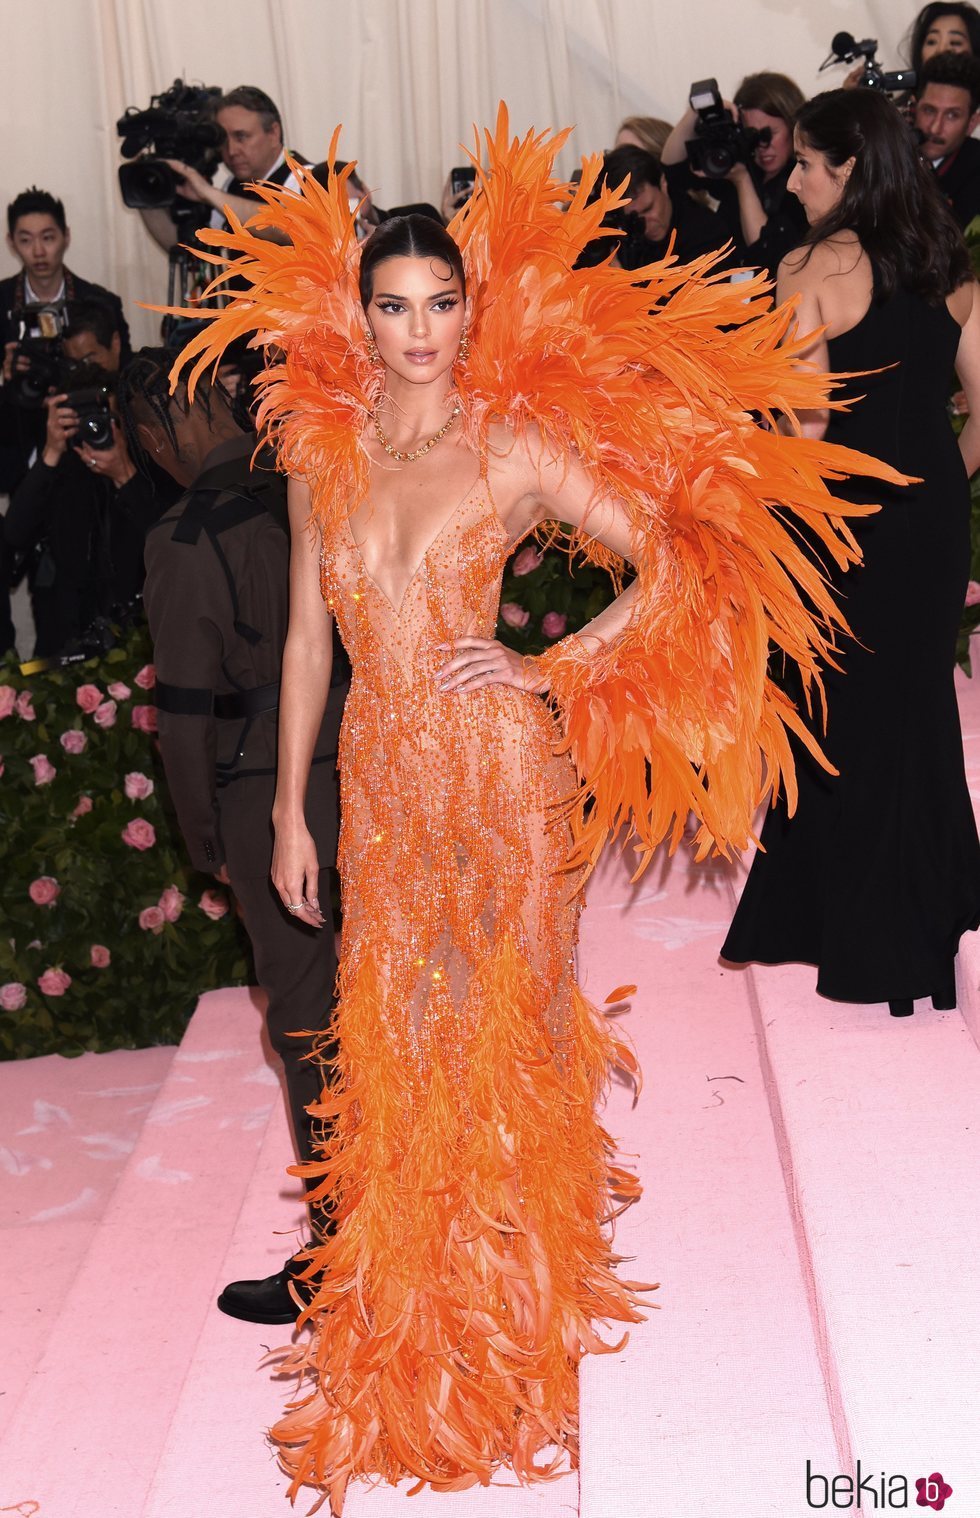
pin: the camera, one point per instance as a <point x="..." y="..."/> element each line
<point x="844" y="49"/>
<point x="719" y="142"/>
<point x="179" y="123"/>
<point x="91" y="405"/>
<point x="39" y="328"/>
<point x="462" y="180"/>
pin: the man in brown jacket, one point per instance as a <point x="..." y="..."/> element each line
<point x="216" y="599"/>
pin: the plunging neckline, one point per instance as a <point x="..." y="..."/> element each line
<point x="433" y="543"/>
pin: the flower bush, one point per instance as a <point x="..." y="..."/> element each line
<point x="542" y="598"/>
<point x="100" y="949"/>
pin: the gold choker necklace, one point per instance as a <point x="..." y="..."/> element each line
<point x="423" y="448"/>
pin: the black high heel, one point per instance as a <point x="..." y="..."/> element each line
<point x="944" y="996"/>
<point x="903" y="1007"/>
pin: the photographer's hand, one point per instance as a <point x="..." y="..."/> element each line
<point x="112" y="463"/>
<point x="194" y="186"/>
<point x="62" y="426"/>
<point x="9" y="349"/>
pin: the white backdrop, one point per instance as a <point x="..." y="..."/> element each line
<point x="407" y="78"/>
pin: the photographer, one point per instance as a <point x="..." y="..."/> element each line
<point x="652" y="216"/>
<point x="944" y="28"/>
<point x="252" y="150"/>
<point x="39" y="237"/>
<point x="80" y="514"/>
<point x="763" y="218"/>
<point x="947" y="109"/>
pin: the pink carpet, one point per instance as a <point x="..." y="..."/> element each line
<point x="810" y="1175"/>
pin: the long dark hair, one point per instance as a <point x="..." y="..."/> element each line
<point x="407" y="237"/>
<point x="929" y="14"/>
<point x="891" y="199"/>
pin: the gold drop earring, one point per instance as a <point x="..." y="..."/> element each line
<point x="463" y="352"/>
<point x="371" y="348"/>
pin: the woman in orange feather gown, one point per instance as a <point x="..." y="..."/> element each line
<point x="434" y="406"/>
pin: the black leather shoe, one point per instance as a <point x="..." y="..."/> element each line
<point x="266" y="1301"/>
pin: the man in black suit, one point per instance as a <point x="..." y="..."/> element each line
<point x="217" y="601"/>
<point x="947" y="111"/>
<point x="253" y="150"/>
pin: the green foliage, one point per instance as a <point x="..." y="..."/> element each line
<point x="557" y="598"/>
<point x="156" y="971"/>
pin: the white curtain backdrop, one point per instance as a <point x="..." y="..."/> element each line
<point x="408" y="78"/>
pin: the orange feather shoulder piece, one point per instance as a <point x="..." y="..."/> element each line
<point x="666" y="382"/>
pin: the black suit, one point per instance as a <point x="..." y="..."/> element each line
<point x="217" y="600"/>
<point x="958" y="176"/>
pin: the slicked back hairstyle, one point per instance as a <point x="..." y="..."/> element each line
<point x="35" y="202"/>
<point x="891" y="198"/>
<point x="407" y="237"/>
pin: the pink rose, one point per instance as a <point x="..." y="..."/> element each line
<point x="118" y="691"/>
<point x="8" y="701"/>
<point x="973" y="594"/>
<point x="84" y="806"/>
<point x="88" y="697"/>
<point x="105" y="714"/>
<point x="152" y="920"/>
<point x="139" y="834"/>
<point x="147" y="677"/>
<point x="23" y="706"/>
<point x="213" y="904"/>
<point x="54" y="982"/>
<point x="44" y="770"/>
<point x="137" y="786"/>
<point x="74" y="741"/>
<point x="44" y="891"/>
<point x="13" y="996"/>
<point x="553" y="624"/>
<point x="514" y="615"/>
<point x="172" y="903"/>
<point x="144" y="719"/>
<point x="526" y="562"/>
<point x="101" y="958"/>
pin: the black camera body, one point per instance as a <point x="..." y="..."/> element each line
<point x="91" y="405"/>
<point x="719" y="141"/>
<point x="179" y="123"/>
<point x="844" y="49"/>
<point x="39" y="328"/>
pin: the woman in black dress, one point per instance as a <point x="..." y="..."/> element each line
<point x="877" y="875"/>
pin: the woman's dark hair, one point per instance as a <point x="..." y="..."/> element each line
<point x="930" y="14"/>
<point x="891" y="199"/>
<point x="408" y="237"/>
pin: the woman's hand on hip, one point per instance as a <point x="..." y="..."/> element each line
<point x="477" y="662"/>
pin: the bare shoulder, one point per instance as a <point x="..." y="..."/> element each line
<point x="830" y="258"/>
<point x="521" y="467"/>
<point x="961" y="302"/>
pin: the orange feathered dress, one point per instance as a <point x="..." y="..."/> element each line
<point x="472" y="1181"/>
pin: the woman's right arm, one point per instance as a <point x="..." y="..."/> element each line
<point x="968" y="369"/>
<point x="306" y="664"/>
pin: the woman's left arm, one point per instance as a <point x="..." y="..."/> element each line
<point x="563" y="491"/>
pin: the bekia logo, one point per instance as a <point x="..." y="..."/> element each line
<point x="874" y="1492"/>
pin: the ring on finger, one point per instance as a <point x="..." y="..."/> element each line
<point x="294" y="906"/>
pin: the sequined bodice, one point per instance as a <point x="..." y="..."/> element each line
<point x="454" y="591"/>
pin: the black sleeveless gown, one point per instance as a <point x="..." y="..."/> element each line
<point x="877" y="875"/>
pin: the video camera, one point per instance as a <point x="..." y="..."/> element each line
<point x="719" y="141"/>
<point x="178" y="124"/>
<point x="86" y="386"/>
<point x="844" y="49"/>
